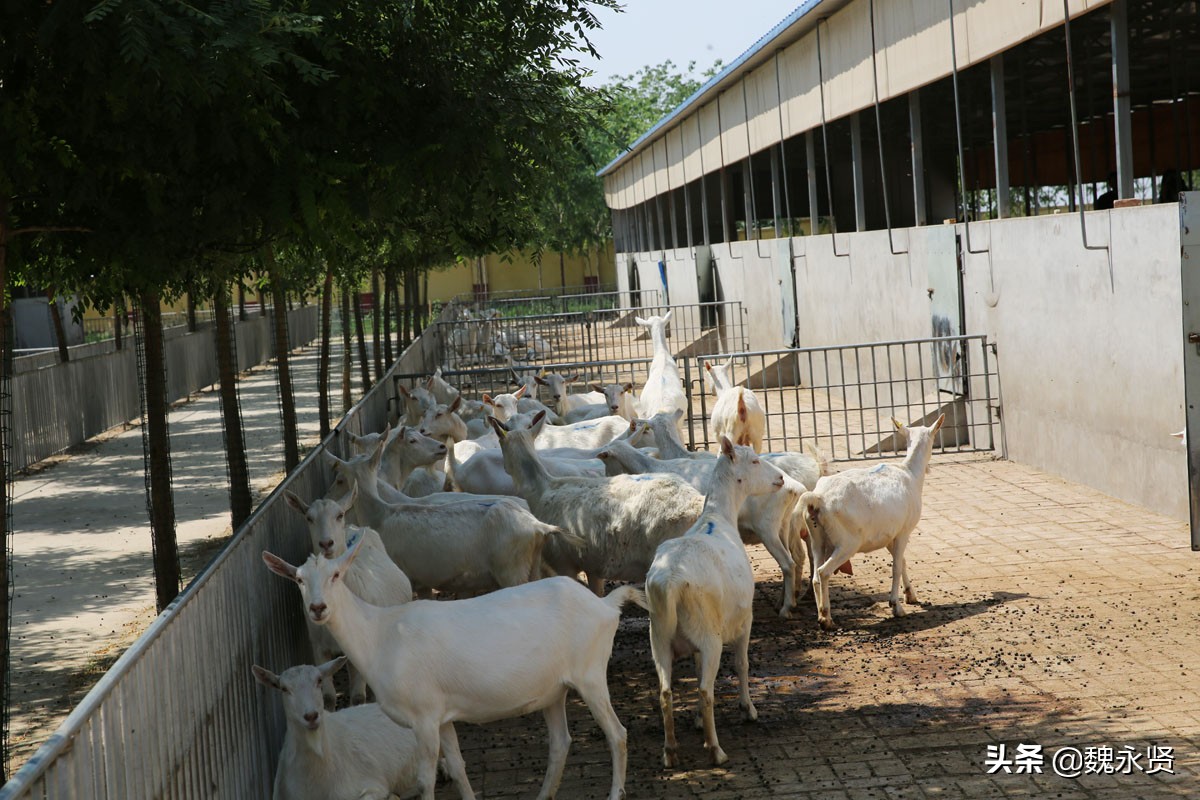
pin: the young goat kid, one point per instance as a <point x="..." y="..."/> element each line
<point x="700" y="592"/>
<point x="353" y="754"/>
<point x="436" y="663"/>
<point x="737" y="412"/>
<point x="861" y="510"/>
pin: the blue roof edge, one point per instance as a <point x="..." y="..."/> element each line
<point x="767" y="38"/>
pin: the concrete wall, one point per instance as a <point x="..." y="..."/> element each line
<point x="1090" y="362"/>
<point x="518" y="271"/>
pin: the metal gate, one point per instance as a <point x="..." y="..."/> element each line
<point x="842" y="398"/>
<point x="601" y="334"/>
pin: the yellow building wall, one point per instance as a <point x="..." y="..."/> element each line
<point x="519" y="272"/>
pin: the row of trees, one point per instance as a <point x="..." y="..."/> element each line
<point x="153" y="148"/>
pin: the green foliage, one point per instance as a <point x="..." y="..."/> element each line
<point x="574" y="215"/>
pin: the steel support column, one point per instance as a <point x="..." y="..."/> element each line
<point x="856" y="157"/>
<point x="1000" y="135"/>
<point x="918" y="156"/>
<point x="810" y="153"/>
<point x="775" y="200"/>
<point x="1119" y="21"/>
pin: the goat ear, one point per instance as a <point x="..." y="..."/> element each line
<point x="457" y="402"/>
<point x="939" y="422"/>
<point x="521" y="392"/>
<point x="296" y="503"/>
<point x="596" y="386"/>
<point x="679" y="413"/>
<point x="404" y="391"/>
<point x="265" y="677"/>
<point x="627" y="388"/>
<point x="727" y="448"/>
<point x="708" y="365"/>
<point x="640" y="321"/>
<point x="330" y="667"/>
<point x="349" y="497"/>
<point x="377" y="455"/>
<point x="347" y="558"/>
<point x="331" y="459"/>
<point x="429" y="383"/>
<point x="899" y="425"/>
<point x="539" y="421"/>
<point x="278" y="565"/>
<point x="667" y="316"/>
<point x="603" y="455"/>
<point x="729" y="363"/>
<point x="541" y="374"/>
<point x="541" y="381"/>
<point x="574" y="377"/>
<point x="487" y="400"/>
<point x="499" y="427"/>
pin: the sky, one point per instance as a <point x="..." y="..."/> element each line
<point x="652" y="31"/>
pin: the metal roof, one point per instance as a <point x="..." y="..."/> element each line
<point x="781" y="35"/>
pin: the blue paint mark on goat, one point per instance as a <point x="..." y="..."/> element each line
<point x="880" y="468"/>
<point x="488" y="504"/>
<point x="708" y="529"/>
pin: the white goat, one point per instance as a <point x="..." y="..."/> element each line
<point x="588" y="434"/>
<point x="416" y="401"/>
<point x="476" y="660"/>
<point x="860" y="510"/>
<point x="767" y="520"/>
<point x="621" y="520"/>
<point x="737" y="412"/>
<point x="442" y="392"/>
<point x="471" y="545"/>
<point x="664" y="435"/>
<point x="353" y="754"/>
<point x="618" y="401"/>
<point x="408" y="460"/>
<point x="560" y="393"/>
<point x="664" y="388"/>
<point x="375" y="578"/>
<point x="700" y="592"/>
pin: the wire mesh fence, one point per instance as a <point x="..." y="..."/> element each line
<point x="587" y="336"/>
<point x="842" y="399"/>
<point x="487" y="296"/>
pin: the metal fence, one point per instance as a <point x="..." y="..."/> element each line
<point x="467" y="298"/>
<point x="57" y="405"/>
<point x="843" y="398"/>
<point x="585" y="336"/>
<point x="558" y="304"/>
<point x="179" y="714"/>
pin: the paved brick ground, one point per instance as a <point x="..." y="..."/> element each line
<point x="1053" y="615"/>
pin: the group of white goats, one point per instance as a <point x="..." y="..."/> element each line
<point x="476" y="338"/>
<point x="613" y="496"/>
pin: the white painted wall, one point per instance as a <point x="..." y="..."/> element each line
<point x="1091" y="365"/>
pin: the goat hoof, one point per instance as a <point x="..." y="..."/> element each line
<point x="669" y="758"/>
<point x="826" y="624"/>
<point x="898" y="610"/>
<point x="750" y="713"/>
<point x="785" y="612"/>
<point x="718" y="756"/>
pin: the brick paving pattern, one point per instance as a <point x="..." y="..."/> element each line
<point x="1053" y="615"/>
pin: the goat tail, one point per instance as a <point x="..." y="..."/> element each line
<point x="621" y="596"/>
<point x="818" y="456"/>
<point x="811" y="506"/>
<point x="564" y="536"/>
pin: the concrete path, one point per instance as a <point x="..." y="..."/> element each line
<point x="82" y="564"/>
<point x="1055" y="619"/>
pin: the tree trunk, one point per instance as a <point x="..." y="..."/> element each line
<point x="562" y="270"/>
<point x="388" y="355"/>
<point x="240" y="503"/>
<point x="424" y="298"/>
<point x="363" y="362"/>
<point x="60" y="330"/>
<point x="158" y="454"/>
<point x="396" y="304"/>
<point x="5" y="478"/>
<point x="323" y="359"/>
<point x="191" y="312"/>
<point x="377" y="349"/>
<point x="346" y="349"/>
<point x="409" y="312"/>
<point x="118" y="321"/>
<point x="241" y="301"/>
<point x="287" y="400"/>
